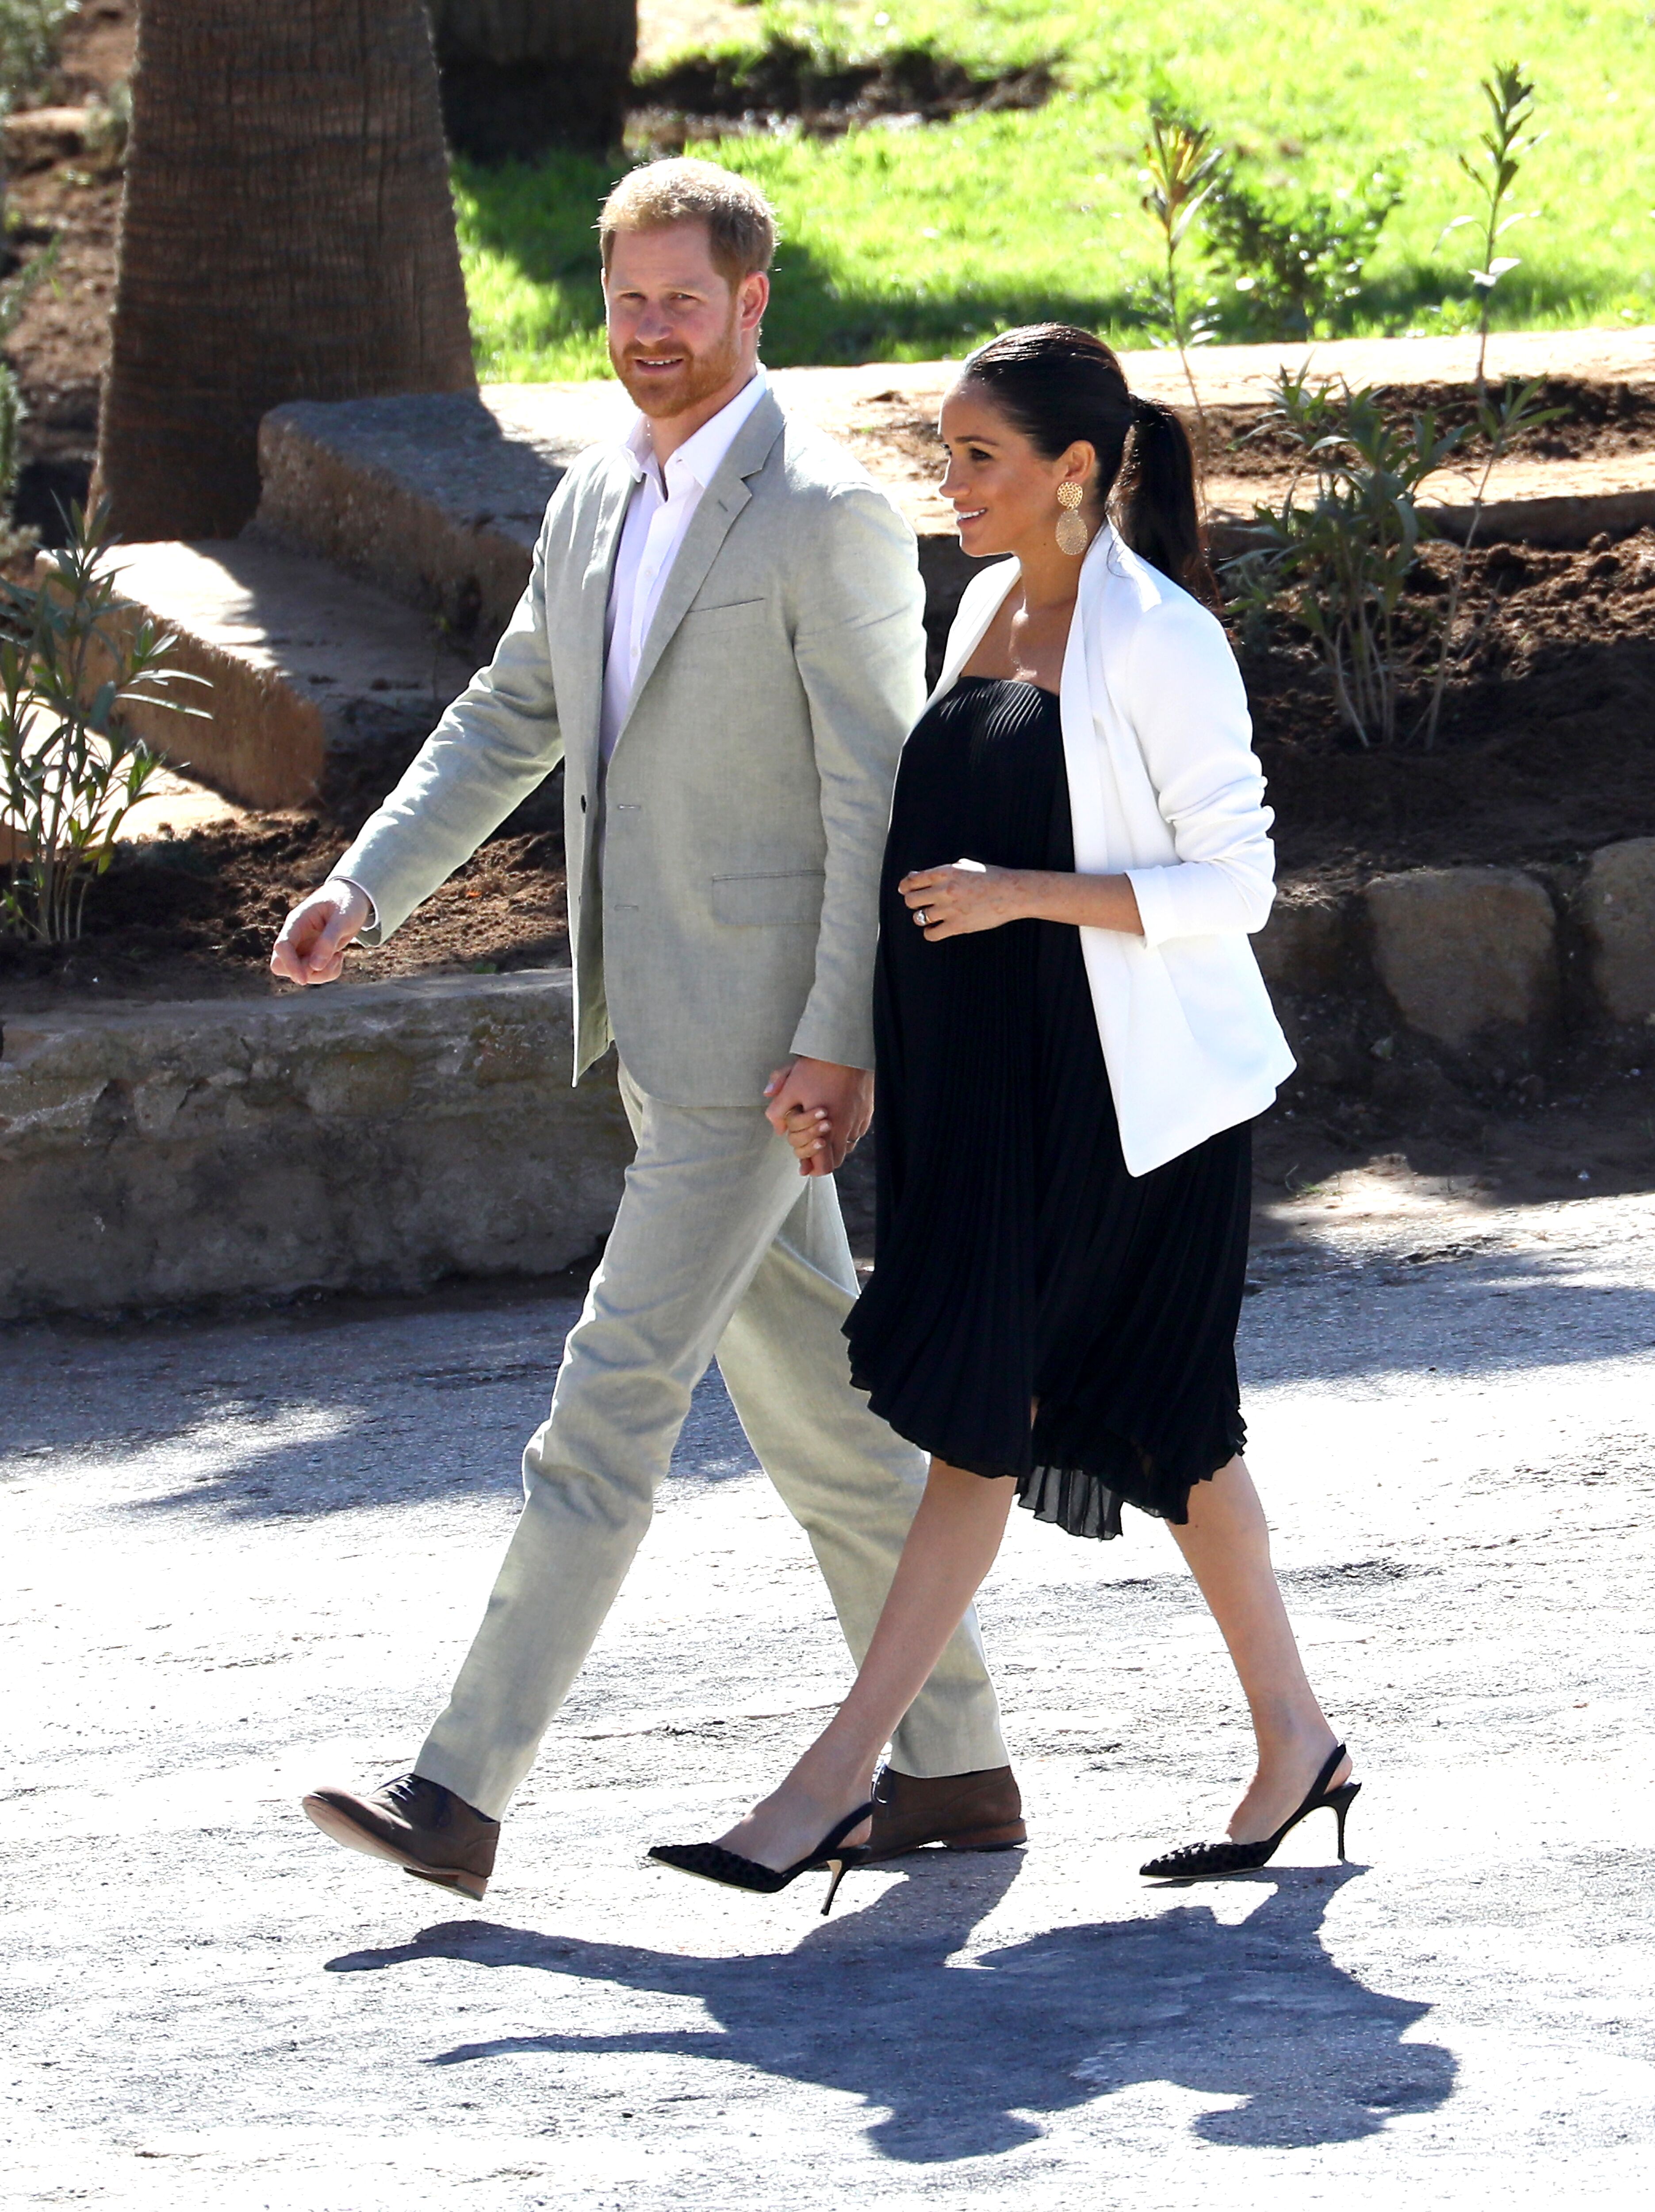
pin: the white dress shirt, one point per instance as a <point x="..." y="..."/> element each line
<point x="661" y="507"/>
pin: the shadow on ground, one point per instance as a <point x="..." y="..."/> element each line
<point x="961" y="2056"/>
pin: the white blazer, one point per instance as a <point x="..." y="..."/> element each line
<point x="1164" y="788"/>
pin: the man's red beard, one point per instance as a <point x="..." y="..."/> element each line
<point x="698" y="376"/>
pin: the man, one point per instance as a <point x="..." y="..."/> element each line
<point x="721" y="640"/>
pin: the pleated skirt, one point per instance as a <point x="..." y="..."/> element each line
<point x="1018" y="1265"/>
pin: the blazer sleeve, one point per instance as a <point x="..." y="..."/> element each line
<point x="1188" y="710"/>
<point x="858" y="643"/>
<point x="497" y="741"/>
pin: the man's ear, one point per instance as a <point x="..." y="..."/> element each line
<point x="753" y="299"/>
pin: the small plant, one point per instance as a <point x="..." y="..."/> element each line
<point x="1511" y="104"/>
<point x="1340" y="561"/>
<point x="1181" y="172"/>
<point x="71" y="659"/>
<point x="1296" y="260"/>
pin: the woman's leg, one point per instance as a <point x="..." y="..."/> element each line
<point x="1227" y="1545"/>
<point x="950" y="1547"/>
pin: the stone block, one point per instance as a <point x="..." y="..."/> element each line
<point x="322" y="689"/>
<point x="1465" y="951"/>
<point x="372" y="1136"/>
<point x="1617" y="910"/>
<point x="1305" y="945"/>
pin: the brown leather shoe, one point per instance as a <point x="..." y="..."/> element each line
<point x="978" y="1812"/>
<point x="417" y="1824"/>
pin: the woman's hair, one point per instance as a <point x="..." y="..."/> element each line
<point x="1058" y="385"/>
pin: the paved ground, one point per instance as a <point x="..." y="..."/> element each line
<point x="249" y="1555"/>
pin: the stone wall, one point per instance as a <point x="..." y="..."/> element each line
<point x="379" y="1136"/>
<point x="382" y="1136"/>
<point x="1486" y="971"/>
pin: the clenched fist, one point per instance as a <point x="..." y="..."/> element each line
<point x="311" y="948"/>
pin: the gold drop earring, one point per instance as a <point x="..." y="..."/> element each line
<point x="1073" y="535"/>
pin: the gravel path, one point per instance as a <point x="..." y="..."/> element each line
<point x="246" y="1557"/>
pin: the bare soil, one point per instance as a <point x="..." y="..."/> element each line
<point x="1597" y="422"/>
<point x="194" y="917"/>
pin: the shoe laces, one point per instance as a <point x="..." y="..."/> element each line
<point x="406" y="1791"/>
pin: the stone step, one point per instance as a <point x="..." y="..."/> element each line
<point x="374" y="1136"/>
<point x="323" y="687"/>
<point x="437" y="500"/>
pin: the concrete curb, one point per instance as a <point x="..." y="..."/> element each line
<point x="379" y="1136"/>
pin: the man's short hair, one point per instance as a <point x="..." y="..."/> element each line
<point x="741" y="225"/>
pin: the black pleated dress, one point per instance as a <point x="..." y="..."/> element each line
<point x="1016" y="1259"/>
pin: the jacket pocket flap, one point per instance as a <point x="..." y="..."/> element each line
<point x="793" y="897"/>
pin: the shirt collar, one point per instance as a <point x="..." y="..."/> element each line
<point x="700" y="456"/>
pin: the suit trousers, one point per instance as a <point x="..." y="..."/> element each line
<point x="719" y="1246"/>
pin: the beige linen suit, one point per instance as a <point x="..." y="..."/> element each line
<point x="722" y="909"/>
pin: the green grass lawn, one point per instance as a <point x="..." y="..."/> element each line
<point x="909" y="244"/>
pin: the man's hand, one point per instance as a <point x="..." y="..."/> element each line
<point x="312" y="946"/>
<point x="821" y="1108"/>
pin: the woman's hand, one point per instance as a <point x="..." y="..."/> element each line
<point x="809" y="1131"/>
<point x="953" y="901"/>
<point x="822" y="1108"/>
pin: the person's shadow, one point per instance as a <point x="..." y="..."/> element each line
<point x="957" y="2055"/>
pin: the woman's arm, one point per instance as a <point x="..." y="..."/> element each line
<point x="953" y="901"/>
<point x="1184" y="697"/>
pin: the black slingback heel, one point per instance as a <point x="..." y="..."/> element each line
<point x="1198" y="1861"/>
<point x="712" y="1863"/>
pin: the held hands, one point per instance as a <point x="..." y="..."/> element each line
<point x="311" y="948"/>
<point x="822" y="1108"/>
<point x="952" y="902"/>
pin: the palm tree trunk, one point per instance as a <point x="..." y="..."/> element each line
<point x="287" y="233"/>
<point x="519" y="75"/>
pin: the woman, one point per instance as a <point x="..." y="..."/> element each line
<point x="1073" y="1039"/>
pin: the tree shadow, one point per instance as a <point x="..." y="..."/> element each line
<point x="961" y="2056"/>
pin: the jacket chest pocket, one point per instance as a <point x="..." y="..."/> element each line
<point x="785" y="900"/>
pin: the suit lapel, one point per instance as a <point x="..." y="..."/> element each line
<point x="585" y="708"/>
<point x="721" y="503"/>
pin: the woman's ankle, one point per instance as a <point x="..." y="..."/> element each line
<point x="834" y="1785"/>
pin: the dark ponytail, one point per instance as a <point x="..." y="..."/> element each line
<point x="1058" y="385"/>
<point x="1160" y="506"/>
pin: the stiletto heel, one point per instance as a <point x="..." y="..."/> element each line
<point x="1201" y="1861"/>
<point x="1340" y="1799"/>
<point x="712" y="1863"/>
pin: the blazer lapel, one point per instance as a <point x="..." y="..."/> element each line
<point x="989" y="590"/>
<point x="721" y="503"/>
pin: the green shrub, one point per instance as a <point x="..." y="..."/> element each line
<point x="1339" y="561"/>
<point x="72" y="658"/>
<point x="1295" y="259"/>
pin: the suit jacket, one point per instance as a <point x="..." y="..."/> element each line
<point x="1164" y="788"/>
<point x="748" y="792"/>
